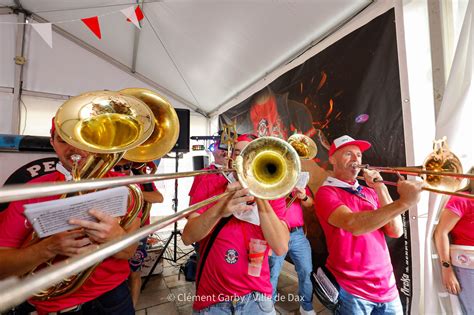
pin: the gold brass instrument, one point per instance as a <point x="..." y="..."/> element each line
<point x="146" y="168"/>
<point x="306" y="149"/>
<point x="105" y="123"/>
<point x="441" y="171"/>
<point x="166" y="130"/>
<point x="161" y="141"/>
<point x="304" y="146"/>
<point x="269" y="167"/>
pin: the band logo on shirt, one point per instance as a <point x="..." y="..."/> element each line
<point x="231" y="256"/>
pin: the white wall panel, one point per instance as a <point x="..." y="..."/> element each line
<point x="6" y="100"/>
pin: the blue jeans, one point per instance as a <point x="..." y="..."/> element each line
<point x="466" y="281"/>
<point x="254" y="303"/>
<point x="350" y="304"/>
<point x="299" y="250"/>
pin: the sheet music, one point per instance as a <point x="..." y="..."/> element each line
<point x="51" y="217"/>
<point x="303" y="180"/>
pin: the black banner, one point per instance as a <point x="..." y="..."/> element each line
<point x="352" y="87"/>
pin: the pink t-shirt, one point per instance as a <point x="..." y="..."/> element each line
<point x="294" y="214"/>
<point x="463" y="231"/>
<point x="207" y="186"/>
<point x="205" y="177"/>
<point x="361" y="264"/>
<point x="225" y="271"/>
<point x="14" y="229"/>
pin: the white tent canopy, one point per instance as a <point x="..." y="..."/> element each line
<point x="199" y="53"/>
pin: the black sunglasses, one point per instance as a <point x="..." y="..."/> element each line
<point x="120" y="168"/>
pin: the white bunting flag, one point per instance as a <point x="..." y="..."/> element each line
<point x="131" y="15"/>
<point x="45" y="31"/>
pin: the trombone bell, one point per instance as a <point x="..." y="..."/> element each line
<point x="268" y="167"/>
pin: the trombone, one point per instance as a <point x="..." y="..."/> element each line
<point x="268" y="166"/>
<point x="441" y="171"/>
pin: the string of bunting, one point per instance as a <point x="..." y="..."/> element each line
<point x="133" y="15"/>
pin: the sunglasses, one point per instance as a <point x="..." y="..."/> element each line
<point x="121" y="168"/>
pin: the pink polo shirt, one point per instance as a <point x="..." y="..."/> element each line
<point x="225" y="271"/>
<point x="361" y="264"/>
<point x="463" y="231"/>
<point x="14" y="229"/>
<point x="294" y="214"/>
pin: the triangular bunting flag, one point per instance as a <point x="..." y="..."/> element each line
<point x="138" y="13"/>
<point x="131" y="15"/>
<point x="45" y="31"/>
<point x="93" y="24"/>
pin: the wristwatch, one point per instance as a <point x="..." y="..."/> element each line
<point x="445" y="264"/>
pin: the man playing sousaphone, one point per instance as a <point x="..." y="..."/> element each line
<point x="105" y="291"/>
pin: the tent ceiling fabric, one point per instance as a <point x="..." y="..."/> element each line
<point x="205" y="52"/>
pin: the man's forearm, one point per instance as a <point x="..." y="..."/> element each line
<point x="18" y="261"/>
<point x="394" y="228"/>
<point x="368" y="221"/>
<point x="274" y="230"/>
<point x="200" y="226"/>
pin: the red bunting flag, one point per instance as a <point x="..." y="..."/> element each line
<point x="93" y="24"/>
<point x="138" y="13"/>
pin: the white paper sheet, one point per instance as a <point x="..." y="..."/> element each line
<point x="51" y="217"/>
<point x="303" y="180"/>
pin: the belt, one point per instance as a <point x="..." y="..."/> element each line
<point x="72" y="309"/>
<point x="294" y="229"/>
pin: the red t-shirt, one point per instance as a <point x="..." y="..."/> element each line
<point x="361" y="264"/>
<point x="14" y="229"/>
<point x="463" y="231"/>
<point x="225" y="272"/>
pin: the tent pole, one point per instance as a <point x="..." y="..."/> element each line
<point x="18" y="80"/>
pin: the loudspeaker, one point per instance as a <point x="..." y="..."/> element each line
<point x="200" y="162"/>
<point x="182" y="145"/>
